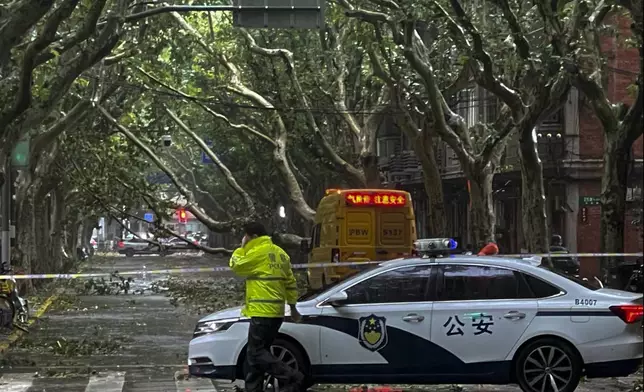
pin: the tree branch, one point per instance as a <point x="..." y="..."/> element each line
<point x="279" y="151"/>
<point x="486" y="76"/>
<point x="523" y="47"/>
<point x="195" y="100"/>
<point x="287" y="57"/>
<point x="191" y="205"/>
<point x="632" y="123"/>
<point x="228" y="175"/>
<point x="86" y="30"/>
<point x="46" y="36"/>
<point x="16" y="20"/>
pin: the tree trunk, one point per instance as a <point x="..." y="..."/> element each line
<point x="25" y="234"/>
<point x="437" y="216"/>
<point x="613" y="195"/>
<point x="71" y="235"/>
<point x="369" y="163"/>
<point x="41" y="241"/>
<point x="534" y="216"/>
<point x="56" y="229"/>
<point x="482" y="219"/>
<point x="89" y="224"/>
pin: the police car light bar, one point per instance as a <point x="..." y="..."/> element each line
<point x="435" y="246"/>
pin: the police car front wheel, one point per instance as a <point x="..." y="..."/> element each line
<point x="548" y="365"/>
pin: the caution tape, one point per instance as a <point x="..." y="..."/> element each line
<point x="574" y="255"/>
<point x="193" y="270"/>
<point x="173" y="271"/>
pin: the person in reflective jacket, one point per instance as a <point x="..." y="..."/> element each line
<point x="270" y="284"/>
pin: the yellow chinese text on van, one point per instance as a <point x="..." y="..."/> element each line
<point x="356" y="225"/>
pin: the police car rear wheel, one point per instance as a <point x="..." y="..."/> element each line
<point x="548" y="365"/>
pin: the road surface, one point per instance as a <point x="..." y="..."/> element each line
<point x="100" y="341"/>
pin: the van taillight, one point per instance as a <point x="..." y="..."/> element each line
<point x="629" y="313"/>
<point x="121" y="244"/>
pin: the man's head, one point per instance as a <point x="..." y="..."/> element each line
<point x="253" y="230"/>
<point x="556" y="240"/>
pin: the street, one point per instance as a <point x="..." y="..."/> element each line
<point x="95" y="339"/>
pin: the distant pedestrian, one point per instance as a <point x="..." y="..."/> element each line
<point x="566" y="264"/>
<point x="556" y="244"/>
<point x="270" y="284"/>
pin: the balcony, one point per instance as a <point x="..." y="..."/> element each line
<point x="404" y="168"/>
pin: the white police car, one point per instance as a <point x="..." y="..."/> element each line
<point x="458" y="319"/>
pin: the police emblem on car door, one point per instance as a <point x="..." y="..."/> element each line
<point x="372" y="332"/>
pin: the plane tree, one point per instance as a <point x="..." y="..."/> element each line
<point x="620" y="112"/>
<point x="510" y="51"/>
<point x="46" y="46"/>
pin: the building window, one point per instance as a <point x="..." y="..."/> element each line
<point x="387" y="146"/>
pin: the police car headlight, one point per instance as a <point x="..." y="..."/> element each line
<point x="208" y="327"/>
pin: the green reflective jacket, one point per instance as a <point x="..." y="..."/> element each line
<point x="269" y="278"/>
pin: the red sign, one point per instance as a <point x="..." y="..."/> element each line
<point x="376" y="199"/>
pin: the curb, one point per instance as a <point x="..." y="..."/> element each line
<point x="17" y="333"/>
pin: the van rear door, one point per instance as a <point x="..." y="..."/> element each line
<point x="359" y="227"/>
<point x="393" y="229"/>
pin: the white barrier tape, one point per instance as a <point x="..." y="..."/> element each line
<point x="524" y="255"/>
<point x="174" y="271"/>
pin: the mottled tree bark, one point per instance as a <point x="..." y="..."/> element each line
<point x="482" y="218"/>
<point x="613" y="195"/>
<point x="369" y="164"/>
<point x="432" y="181"/>
<point x="534" y="216"/>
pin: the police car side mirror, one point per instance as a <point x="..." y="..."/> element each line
<point x="337" y="299"/>
<point x="304" y="246"/>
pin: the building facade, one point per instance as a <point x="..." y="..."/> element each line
<point x="571" y="149"/>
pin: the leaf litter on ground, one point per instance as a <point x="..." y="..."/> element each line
<point x="209" y="295"/>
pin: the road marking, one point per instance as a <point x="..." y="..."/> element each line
<point x="16" y="382"/>
<point x="110" y="382"/>
<point x="192" y="384"/>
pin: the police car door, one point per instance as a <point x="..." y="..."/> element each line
<point x="479" y="315"/>
<point x="376" y="332"/>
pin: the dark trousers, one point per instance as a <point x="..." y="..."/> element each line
<point x="261" y="335"/>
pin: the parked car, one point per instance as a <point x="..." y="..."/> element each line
<point x="448" y="320"/>
<point x="133" y="246"/>
<point x="177" y="244"/>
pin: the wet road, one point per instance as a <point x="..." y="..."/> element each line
<point x="132" y="343"/>
<point x="138" y="342"/>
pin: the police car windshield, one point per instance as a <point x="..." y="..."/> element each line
<point x="309" y="295"/>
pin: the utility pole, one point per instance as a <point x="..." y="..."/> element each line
<point x="5" y="209"/>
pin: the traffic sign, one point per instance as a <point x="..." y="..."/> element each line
<point x="205" y="159"/>
<point x="279" y="14"/>
<point x="148" y="217"/>
<point x="159" y="178"/>
<point x="589" y="200"/>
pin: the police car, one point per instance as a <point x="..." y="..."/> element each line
<point x="436" y="320"/>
